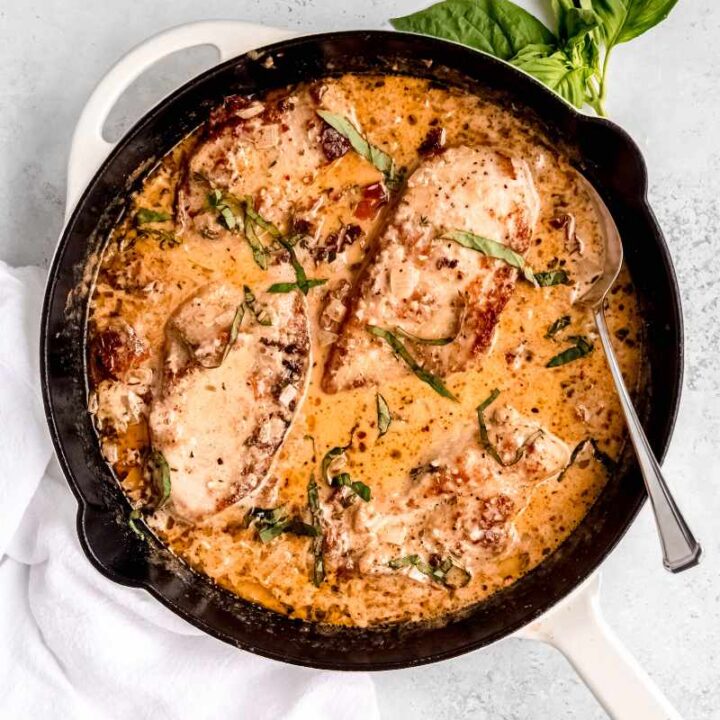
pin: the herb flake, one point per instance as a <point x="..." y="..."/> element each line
<point x="548" y="278"/>
<point x="560" y="324"/>
<point x="145" y="215"/>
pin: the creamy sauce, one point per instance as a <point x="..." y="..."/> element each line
<point x="145" y="277"/>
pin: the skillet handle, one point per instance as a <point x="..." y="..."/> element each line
<point x="88" y="149"/>
<point x="578" y="630"/>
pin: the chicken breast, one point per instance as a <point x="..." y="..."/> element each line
<point x="299" y="173"/>
<point x="431" y="287"/>
<point x="461" y="503"/>
<point x="235" y="372"/>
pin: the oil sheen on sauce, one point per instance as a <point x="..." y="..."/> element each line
<point x="143" y="278"/>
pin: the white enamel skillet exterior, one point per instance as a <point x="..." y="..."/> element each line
<point x="574" y="626"/>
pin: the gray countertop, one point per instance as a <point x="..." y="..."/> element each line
<point x="664" y="91"/>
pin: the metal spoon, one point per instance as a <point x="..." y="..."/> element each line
<point x="680" y="549"/>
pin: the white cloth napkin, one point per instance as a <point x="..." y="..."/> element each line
<point x="74" y="645"/>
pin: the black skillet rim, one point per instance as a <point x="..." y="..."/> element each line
<point x="309" y="643"/>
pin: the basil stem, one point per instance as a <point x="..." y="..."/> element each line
<point x="493" y="249"/>
<point x="384" y="418"/>
<point x="402" y="352"/>
<point x="581" y="348"/>
<point x="485" y="438"/>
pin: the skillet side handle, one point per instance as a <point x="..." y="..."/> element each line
<point x="89" y="149"/>
<point x="578" y="630"/>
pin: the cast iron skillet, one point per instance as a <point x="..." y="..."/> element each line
<point x="608" y="157"/>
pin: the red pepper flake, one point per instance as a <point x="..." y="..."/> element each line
<point x="334" y="145"/>
<point x="434" y="141"/>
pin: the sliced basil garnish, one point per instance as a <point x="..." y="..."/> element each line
<point x="379" y="158"/>
<point x="552" y="277"/>
<point x="559" y="324"/>
<point x="444" y="572"/>
<point x="485" y="438"/>
<point x="581" y="348"/>
<point x="384" y="418"/>
<point x="402" y="352"/>
<point x="270" y="523"/>
<point x="421" y="340"/>
<point x="493" y="249"/>
<point x="318" y="568"/>
<point x="159" y="470"/>
<point x="145" y="215"/>
<point x="602" y="457"/>
<point x="359" y="488"/>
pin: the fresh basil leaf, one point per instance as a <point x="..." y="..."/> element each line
<point x="581" y="348"/>
<point x="444" y="572"/>
<point x="379" y="158"/>
<point x="402" y="352"/>
<point x="559" y="324"/>
<point x="159" y="471"/>
<point x="573" y="23"/>
<point x="384" y="418"/>
<point x="318" y="569"/>
<point x="623" y="20"/>
<point x="497" y="27"/>
<point x="492" y="249"/>
<point x="485" y="438"/>
<point x="145" y="215"/>
<point x="547" y="278"/>
<point x="557" y="70"/>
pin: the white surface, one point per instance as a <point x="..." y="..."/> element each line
<point x="74" y="645"/>
<point x="663" y="90"/>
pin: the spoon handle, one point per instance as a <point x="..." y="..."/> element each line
<point x="680" y="549"/>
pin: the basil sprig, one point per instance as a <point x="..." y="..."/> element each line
<point x="360" y="144"/>
<point x="485" y="438"/>
<point x="581" y="347"/>
<point x="443" y="572"/>
<point x="402" y="352"/>
<point x="572" y="61"/>
<point x="492" y="249"/>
